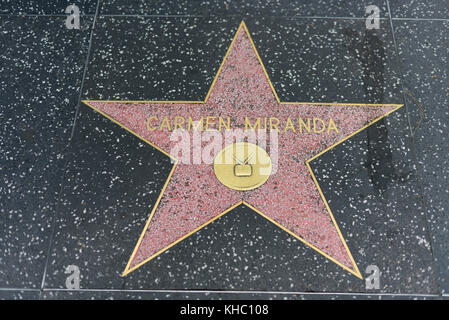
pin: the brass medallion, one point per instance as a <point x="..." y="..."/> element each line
<point x="242" y="166"/>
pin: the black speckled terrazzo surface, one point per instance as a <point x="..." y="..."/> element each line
<point x="77" y="189"/>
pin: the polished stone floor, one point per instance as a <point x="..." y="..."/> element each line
<point x="77" y="188"/>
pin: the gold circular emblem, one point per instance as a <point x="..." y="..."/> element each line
<point x="242" y="166"/>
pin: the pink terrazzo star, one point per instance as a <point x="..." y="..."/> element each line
<point x="291" y="198"/>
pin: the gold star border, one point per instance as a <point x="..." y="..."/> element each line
<point x="128" y="269"/>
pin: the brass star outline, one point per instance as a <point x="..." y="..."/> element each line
<point x="356" y="270"/>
